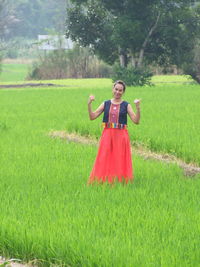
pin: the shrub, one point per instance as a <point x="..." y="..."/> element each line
<point x="74" y="63"/>
<point x="52" y="65"/>
<point x="132" y="75"/>
<point x="192" y="67"/>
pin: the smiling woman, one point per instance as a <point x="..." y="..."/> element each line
<point x="113" y="161"/>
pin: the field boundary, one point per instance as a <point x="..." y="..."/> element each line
<point x="29" y="85"/>
<point x="189" y="169"/>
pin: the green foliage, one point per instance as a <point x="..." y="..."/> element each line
<point x="7" y="18"/>
<point x="138" y="31"/>
<point x="19" y="47"/>
<point x="74" y="63"/>
<point x="192" y="67"/>
<point x="52" y="65"/>
<point x="11" y="53"/>
<point x="30" y="18"/>
<point x="133" y="75"/>
<point x="92" y="26"/>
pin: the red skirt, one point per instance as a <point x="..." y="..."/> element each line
<point x="113" y="161"/>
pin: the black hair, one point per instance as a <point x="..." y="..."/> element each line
<point x="122" y="83"/>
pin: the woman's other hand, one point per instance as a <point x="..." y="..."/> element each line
<point x="90" y="99"/>
<point x="137" y="103"/>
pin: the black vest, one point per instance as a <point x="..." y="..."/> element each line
<point x="122" y="111"/>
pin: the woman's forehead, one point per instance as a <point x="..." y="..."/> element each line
<point x="119" y="86"/>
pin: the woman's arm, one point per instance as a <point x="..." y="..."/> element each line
<point x="97" y="112"/>
<point x="134" y="117"/>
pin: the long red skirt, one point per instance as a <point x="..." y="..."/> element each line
<point x="113" y="161"/>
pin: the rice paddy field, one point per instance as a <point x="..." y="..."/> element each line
<point x="13" y="72"/>
<point x="47" y="210"/>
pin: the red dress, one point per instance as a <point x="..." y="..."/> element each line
<point x="113" y="161"/>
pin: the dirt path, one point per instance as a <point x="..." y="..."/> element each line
<point x="189" y="169"/>
<point x="13" y="263"/>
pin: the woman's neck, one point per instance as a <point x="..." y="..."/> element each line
<point x="117" y="101"/>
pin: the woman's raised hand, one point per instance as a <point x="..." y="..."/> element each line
<point x="137" y="103"/>
<point x="90" y="99"/>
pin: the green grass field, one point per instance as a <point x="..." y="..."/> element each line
<point x="49" y="213"/>
<point x="13" y="72"/>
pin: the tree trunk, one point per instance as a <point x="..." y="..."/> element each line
<point x="133" y="61"/>
<point x="122" y="61"/>
<point x="123" y="58"/>
<point x="141" y="55"/>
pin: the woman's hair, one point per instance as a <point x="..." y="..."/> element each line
<point x="120" y="82"/>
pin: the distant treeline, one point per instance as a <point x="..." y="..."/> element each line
<point x="28" y="18"/>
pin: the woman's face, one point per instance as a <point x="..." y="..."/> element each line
<point x="118" y="91"/>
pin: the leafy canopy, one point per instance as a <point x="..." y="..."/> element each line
<point x="161" y="31"/>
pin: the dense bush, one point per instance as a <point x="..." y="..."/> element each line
<point x="132" y="75"/>
<point x="74" y="63"/>
<point x="192" y="68"/>
<point x="52" y="65"/>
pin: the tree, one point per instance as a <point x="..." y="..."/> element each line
<point x="192" y="67"/>
<point x="39" y="17"/>
<point x="135" y="32"/>
<point x="28" y="18"/>
<point x="7" y="17"/>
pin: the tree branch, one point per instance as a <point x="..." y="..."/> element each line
<point x="141" y="55"/>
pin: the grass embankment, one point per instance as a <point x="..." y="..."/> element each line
<point x="49" y="213"/>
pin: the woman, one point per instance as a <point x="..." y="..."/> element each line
<point x="113" y="161"/>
